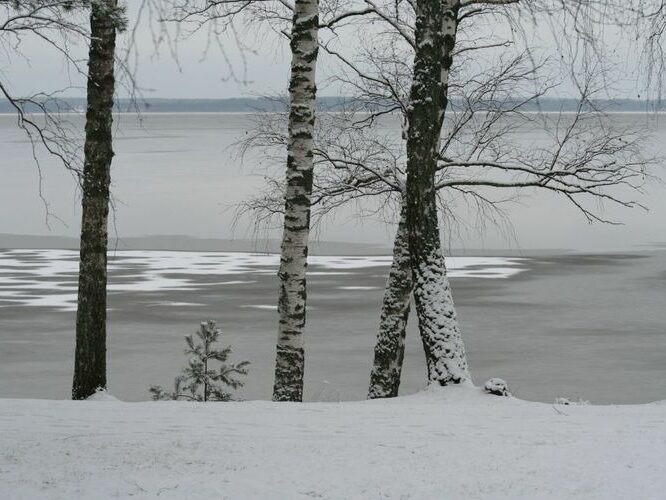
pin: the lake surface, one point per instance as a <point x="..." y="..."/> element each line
<point x="181" y="174"/>
<point x="589" y="326"/>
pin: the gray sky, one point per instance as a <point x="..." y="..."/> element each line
<point x="202" y="69"/>
<point x="196" y="69"/>
<point x="169" y="179"/>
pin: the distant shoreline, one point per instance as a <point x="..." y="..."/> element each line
<point x="324" y="104"/>
<point x="184" y="243"/>
<point x="195" y="113"/>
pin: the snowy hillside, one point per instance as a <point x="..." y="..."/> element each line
<point x="453" y="443"/>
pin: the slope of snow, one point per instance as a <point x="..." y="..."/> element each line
<point x="453" y="443"/>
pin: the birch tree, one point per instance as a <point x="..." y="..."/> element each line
<point x="436" y="28"/>
<point x="304" y="40"/>
<point x="435" y="33"/>
<point x="292" y="296"/>
<point x="59" y="26"/>
<point x="106" y="18"/>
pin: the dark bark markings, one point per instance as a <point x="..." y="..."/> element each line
<point x="292" y="294"/>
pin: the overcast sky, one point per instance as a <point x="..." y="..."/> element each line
<point x="201" y="68"/>
<point x="171" y="179"/>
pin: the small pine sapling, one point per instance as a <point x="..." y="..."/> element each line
<point x="199" y="381"/>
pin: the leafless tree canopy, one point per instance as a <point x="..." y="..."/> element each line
<point x="582" y="156"/>
<point x="58" y="25"/>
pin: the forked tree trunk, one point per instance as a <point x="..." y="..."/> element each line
<point x="390" y="345"/>
<point x="436" y="26"/>
<point x="289" y="364"/>
<point x="90" y="357"/>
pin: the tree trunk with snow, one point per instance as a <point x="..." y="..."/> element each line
<point x="289" y="364"/>
<point x="390" y="344"/>
<point x="90" y="357"/>
<point x="436" y="26"/>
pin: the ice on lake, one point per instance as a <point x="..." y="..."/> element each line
<point x="38" y="277"/>
<point x="585" y="326"/>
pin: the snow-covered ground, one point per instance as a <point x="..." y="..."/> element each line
<point x="454" y="443"/>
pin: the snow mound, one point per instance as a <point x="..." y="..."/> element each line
<point x="102" y="395"/>
<point x="497" y="387"/>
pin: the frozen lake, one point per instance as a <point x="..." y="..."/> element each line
<point x="181" y="174"/>
<point x="589" y="325"/>
<point x="577" y="325"/>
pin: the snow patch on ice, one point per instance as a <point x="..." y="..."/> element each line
<point x="48" y="278"/>
<point x="177" y="304"/>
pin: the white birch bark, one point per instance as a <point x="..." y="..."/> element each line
<point x="289" y="364"/>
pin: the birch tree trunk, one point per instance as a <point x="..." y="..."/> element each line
<point x="289" y="364"/>
<point x="436" y="26"/>
<point x="390" y="345"/>
<point x="90" y="357"/>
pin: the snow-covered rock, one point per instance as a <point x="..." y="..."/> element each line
<point x="497" y="386"/>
